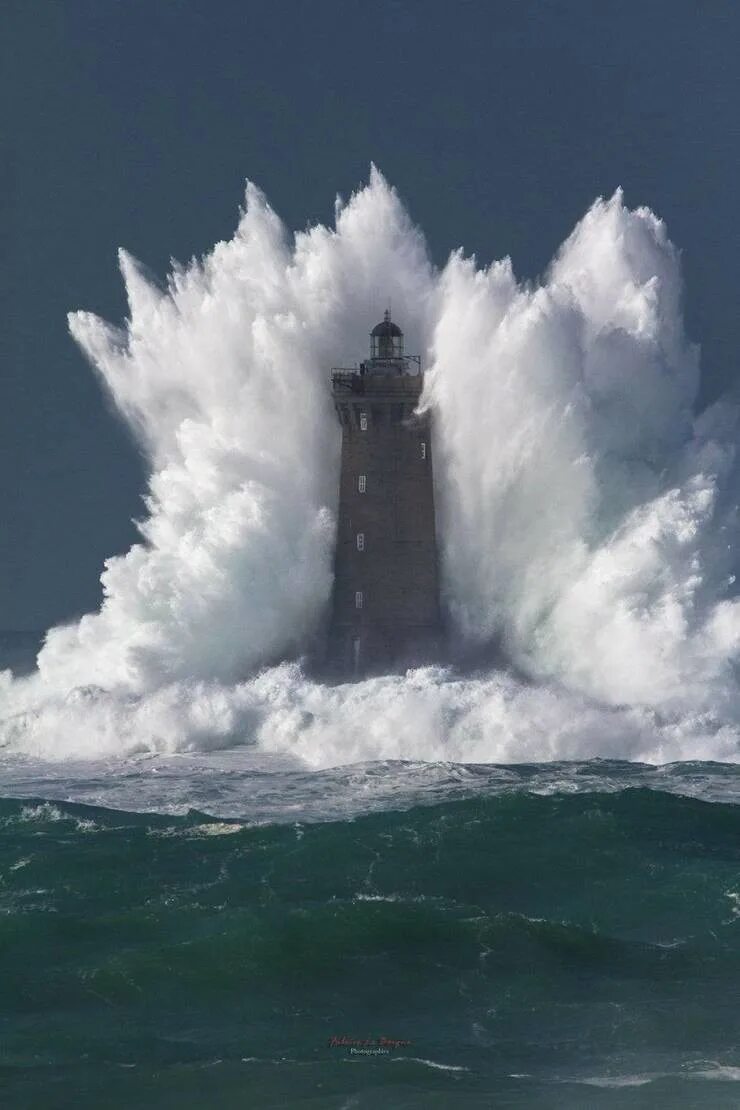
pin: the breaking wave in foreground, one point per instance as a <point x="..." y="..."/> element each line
<point x="158" y="960"/>
<point x="588" y="517"/>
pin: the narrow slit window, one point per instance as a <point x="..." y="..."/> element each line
<point x="360" y="541"/>
<point x="362" y="483"/>
<point x="423" y="449"/>
<point x="359" y="599"/>
<point x="363" y="421"/>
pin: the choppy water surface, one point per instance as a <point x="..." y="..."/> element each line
<point x="196" y="930"/>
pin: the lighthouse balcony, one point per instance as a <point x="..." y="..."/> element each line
<point x="391" y="384"/>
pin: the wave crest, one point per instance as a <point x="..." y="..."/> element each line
<point x="588" y="522"/>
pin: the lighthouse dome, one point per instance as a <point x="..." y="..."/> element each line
<point x="386" y="339"/>
<point x="386" y="327"/>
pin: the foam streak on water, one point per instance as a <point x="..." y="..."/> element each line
<point x="588" y="519"/>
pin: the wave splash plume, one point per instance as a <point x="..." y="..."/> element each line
<point x="587" y="515"/>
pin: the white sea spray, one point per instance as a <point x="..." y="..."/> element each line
<point x="587" y="517"/>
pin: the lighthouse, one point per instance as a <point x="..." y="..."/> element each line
<point x="385" y="606"/>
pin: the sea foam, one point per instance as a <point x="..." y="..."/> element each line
<point x="587" y="515"/>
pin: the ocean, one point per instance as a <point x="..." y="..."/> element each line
<point x="198" y="930"/>
<point x="226" y="883"/>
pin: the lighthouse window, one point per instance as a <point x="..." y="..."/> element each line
<point x="361" y="483"/>
<point x="358" y="599"/>
<point x="360" y="541"/>
<point x="363" y="421"/>
<point x="423" y="449"/>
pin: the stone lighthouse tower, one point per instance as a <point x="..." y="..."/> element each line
<point x="385" y="611"/>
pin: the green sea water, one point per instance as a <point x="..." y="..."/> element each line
<point x="552" y="949"/>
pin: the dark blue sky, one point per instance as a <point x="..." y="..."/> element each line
<point x="135" y="123"/>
